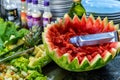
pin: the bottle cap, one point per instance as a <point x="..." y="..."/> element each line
<point x="77" y="0"/>
<point x="29" y="1"/>
<point x="23" y="0"/>
<point x="35" y="1"/>
<point x="46" y="3"/>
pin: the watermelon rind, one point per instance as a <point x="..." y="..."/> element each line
<point x="107" y="57"/>
<point x="114" y="52"/>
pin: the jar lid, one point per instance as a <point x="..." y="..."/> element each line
<point x="29" y="1"/>
<point x="35" y="1"/>
<point x="46" y="3"/>
<point x="23" y="0"/>
<point x="76" y="0"/>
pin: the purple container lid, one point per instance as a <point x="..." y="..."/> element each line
<point x="35" y="1"/>
<point x="29" y="1"/>
<point x="46" y="2"/>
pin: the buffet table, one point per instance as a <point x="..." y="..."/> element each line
<point x="109" y="72"/>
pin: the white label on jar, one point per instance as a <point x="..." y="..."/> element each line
<point x="36" y="21"/>
<point x="29" y="21"/>
<point x="10" y="18"/>
<point x="46" y="21"/>
<point x="11" y="14"/>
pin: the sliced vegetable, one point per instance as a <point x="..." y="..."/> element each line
<point x="40" y="58"/>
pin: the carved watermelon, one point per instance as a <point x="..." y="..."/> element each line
<point x="56" y="40"/>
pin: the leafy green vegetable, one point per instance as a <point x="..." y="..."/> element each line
<point x="8" y="29"/>
<point x="10" y="37"/>
<point x="21" y="63"/>
<point x="34" y="75"/>
<point x="19" y="34"/>
<point x="1" y="20"/>
<point x="2" y="28"/>
<point x="41" y="78"/>
<point x="2" y="51"/>
<point x="22" y="32"/>
<point x="9" y="34"/>
<point x="1" y="44"/>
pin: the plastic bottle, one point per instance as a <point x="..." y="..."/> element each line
<point x="11" y="12"/>
<point x="36" y="14"/>
<point x="76" y="9"/>
<point x="23" y="14"/>
<point x="29" y="13"/>
<point x="47" y="15"/>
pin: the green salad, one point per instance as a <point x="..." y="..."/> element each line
<point x="27" y="65"/>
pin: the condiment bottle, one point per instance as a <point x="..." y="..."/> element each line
<point x="11" y="11"/>
<point x="36" y="14"/>
<point x="47" y="15"/>
<point x="76" y="9"/>
<point x="29" y="13"/>
<point x="23" y="14"/>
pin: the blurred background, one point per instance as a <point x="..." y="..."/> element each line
<point x="103" y="8"/>
<point x="58" y="8"/>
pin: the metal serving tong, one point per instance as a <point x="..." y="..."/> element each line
<point x="94" y="39"/>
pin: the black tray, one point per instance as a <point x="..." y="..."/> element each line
<point x="109" y="72"/>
